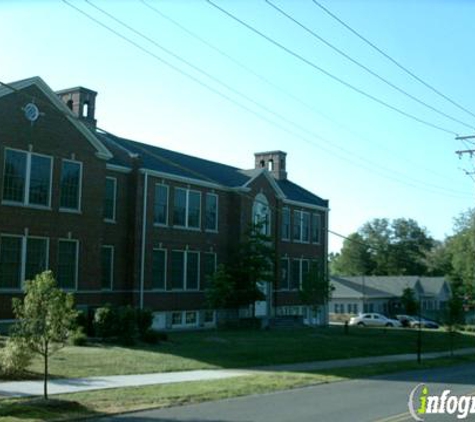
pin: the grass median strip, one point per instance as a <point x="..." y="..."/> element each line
<point x="72" y="406"/>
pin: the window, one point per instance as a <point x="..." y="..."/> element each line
<point x="187" y="208"/>
<point x="10" y="262"/>
<point x="301" y="226"/>
<point x="27" y="178"/>
<point x="36" y="256"/>
<point x="208" y="317"/>
<point x="316" y="228"/>
<point x="110" y="199"/>
<point x="160" y="205"/>
<point x="300" y="269"/>
<point x="107" y="267"/>
<point x="177" y="318"/>
<point x="191" y="318"/>
<point x="261" y="214"/>
<point x="185" y="270"/>
<point x="211" y="207"/>
<point x="17" y="264"/>
<point x="285" y="274"/>
<point x="209" y="265"/>
<point x="159" y="269"/>
<point x="70" y="185"/>
<point x="285" y="224"/>
<point x="67" y="263"/>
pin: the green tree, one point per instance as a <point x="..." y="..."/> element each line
<point x="220" y="289"/>
<point x="316" y="289"/>
<point x="384" y="247"/>
<point x="46" y="318"/>
<point x="252" y="264"/>
<point x="409" y="302"/>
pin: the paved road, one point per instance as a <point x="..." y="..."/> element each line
<point x="377" y="399"/>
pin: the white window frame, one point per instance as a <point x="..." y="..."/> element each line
<point x="319" y="219"/>
<point x="24" y="254"/>
<point x="168" y="205"/>
<point x="216" y="229"/>
<point x="288" y="275"/>
<point x="112" y="262"/>
<point x="26" y="193"/>
<point x="76" y="273"/>
<point x="286" y="209"/>
<point x="72" y="210"/>
<point x="114" y="216"/>
<point x="301" y="213"/>
<point x="185" y="272"/>
<point x="165" y="272"/>
<point x="301" y="261"/>
<point x="187" y="209"/>
<point x="215" y="264"/>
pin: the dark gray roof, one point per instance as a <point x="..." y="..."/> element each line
<point x="174" y="163"/>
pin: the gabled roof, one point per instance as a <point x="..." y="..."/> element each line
<point x="185" y="166"/>
<point x="101" y="150"/>
<point x="387" y="286"/>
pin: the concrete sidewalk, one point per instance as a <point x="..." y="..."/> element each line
<point x="63" y="386"/>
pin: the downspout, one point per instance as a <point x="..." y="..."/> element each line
<point x="144" y="231"/>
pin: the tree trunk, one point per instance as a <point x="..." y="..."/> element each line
<point x="45" y="386"/>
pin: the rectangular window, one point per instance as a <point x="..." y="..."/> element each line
<point x="178" y="272"/>
<point x="192" y="270"/>
<point x="36" y="257"/>
<point x="159" y="269"/>
<point x="14" y="176"/>
<point x="285" y="274"/>
<point x="305" y="269"/>
<point x="194" y="209"/>
<point x="27" y="178"/>
<point x="40" y="180"/>
<point x="160" y="205"/>
<point x="107" y="267"/>
<point x="110" y="199"/>
<point x="285" y="224"/>
<point x="11" y="262"/>
<point x="316" y="228"/>
<point x="295" y="276"/>
<point x="179" y="207"/>
<point x="67" y="264"/>
<point x="187" y="208"/>
<point x="209" y="265"/>
<point x="208" y="317"/>
<point x="211" y="212"/>
<point x="305" y="227"/>
<point x="177" y="318"/>
<point x="297" y="226"/>
<point x="191" y="317"/>
<point x="70" y="185"/>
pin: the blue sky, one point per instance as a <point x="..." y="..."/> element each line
<point x="368" y="160"/>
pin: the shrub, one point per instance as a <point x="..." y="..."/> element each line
<point x="144" y="319"/>
<point x="127" y="330"/>
<point x="15" y="357"/>
<point x="151" y="336"/>
<point x="79" y="338"/>
<point x="106" y="324"/>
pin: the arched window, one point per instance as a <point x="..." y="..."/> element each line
<point x="70" y="104"/>
<point x="262" y="163"/>
<point x="85" y="109"/>
<point x="261" y="214"/>
<point x="270" y="165"/>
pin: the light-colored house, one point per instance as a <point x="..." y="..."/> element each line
<point x="352" y="295"/>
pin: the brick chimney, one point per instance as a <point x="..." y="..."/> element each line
<point x="82" y="102"/>
<point x="273" y="161"/>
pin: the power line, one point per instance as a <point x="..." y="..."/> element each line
<point x="270" y="83"/>
<point x="325" y="72"/>
<point x="259" y="115"/>
<point x="400" y="66"/>
<point x="362" y="66"/>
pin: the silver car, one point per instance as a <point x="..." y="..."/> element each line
<point x="374" y="320"/>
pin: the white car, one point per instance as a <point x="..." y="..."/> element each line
<point x="374" y="320"/>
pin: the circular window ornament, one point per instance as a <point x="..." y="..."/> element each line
<point x="31" y="112"/>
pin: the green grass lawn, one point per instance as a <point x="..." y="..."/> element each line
<point x="95" y="403"/>
<point x="243" y="348"/>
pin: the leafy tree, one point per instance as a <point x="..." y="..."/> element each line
<point x="252" y="264"/>
<point x="384" y="247"/>
<point x="316" y="289"/>
<point x="46" y="318"/>
<point x="409" y="302"/>
<point x="220" y="290"/>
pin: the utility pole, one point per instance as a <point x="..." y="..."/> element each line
<point x="469" y="151"/>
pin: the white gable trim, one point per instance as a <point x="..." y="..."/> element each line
<point x="273" y="183"/>
<point x="305" y="205"/>
<point x="183" y="179"/>
<point x="101" y="151"/>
